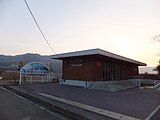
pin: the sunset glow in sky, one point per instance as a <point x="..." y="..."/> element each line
<point x="123" y="27"/>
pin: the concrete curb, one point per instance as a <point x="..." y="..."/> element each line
<point x="155" y="115"/>
<point x="92" y="109"/>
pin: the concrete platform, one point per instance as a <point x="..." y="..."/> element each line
<point x="136" y="103"/>
<point x="112" y="86"/>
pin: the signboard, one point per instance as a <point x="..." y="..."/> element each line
<point x="34" y="68"/>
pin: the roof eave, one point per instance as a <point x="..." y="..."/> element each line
<point x="96" y="52"/>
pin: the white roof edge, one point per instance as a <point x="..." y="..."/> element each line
<point x="96" y="51"/>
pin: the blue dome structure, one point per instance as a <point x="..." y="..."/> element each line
<point x="34" y="69"/>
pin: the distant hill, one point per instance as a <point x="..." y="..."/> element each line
<point x="7" y="61"/>
<point x="10" y="61"/>
<point x="55" y="65"/>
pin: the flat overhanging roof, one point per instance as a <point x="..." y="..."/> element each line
<point x="96" y="52"/>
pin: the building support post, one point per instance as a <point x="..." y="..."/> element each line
<point x="20" y="78"/>
<point x="30" y="79"/>
<point x="42" y="79"/>
<point x="49" y="77"/>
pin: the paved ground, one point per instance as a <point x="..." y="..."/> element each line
<point x="137" y="103"/>
<point x="15" y="108"/>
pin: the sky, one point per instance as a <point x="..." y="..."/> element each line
<point x="123" y="27"/>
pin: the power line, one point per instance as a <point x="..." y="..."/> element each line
<point x="29" y="9"/>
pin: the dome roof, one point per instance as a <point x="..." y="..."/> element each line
<point x="34" y="68"/>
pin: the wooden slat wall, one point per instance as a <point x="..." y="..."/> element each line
<point x="95" y="68"/>
<point x="78" y="69"/>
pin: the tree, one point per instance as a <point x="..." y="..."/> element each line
<point x="156" y="38"/>
<point x="158" y="68"/>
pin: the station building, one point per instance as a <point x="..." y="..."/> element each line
<point x="97" y="65"/>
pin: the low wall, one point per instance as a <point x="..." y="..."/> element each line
<point x="80" y="83"/>
<point x="87" y="84"/>
<point x="138" y="82"/>
<point x="112" y="86"/>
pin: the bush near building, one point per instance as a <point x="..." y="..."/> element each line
<point x="10" y="75"/>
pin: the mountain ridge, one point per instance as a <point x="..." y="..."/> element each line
<point x="6" y="61"/>
<point x="9" y="62"/>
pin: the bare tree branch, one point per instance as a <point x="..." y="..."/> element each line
<point x="156" y="38"/>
